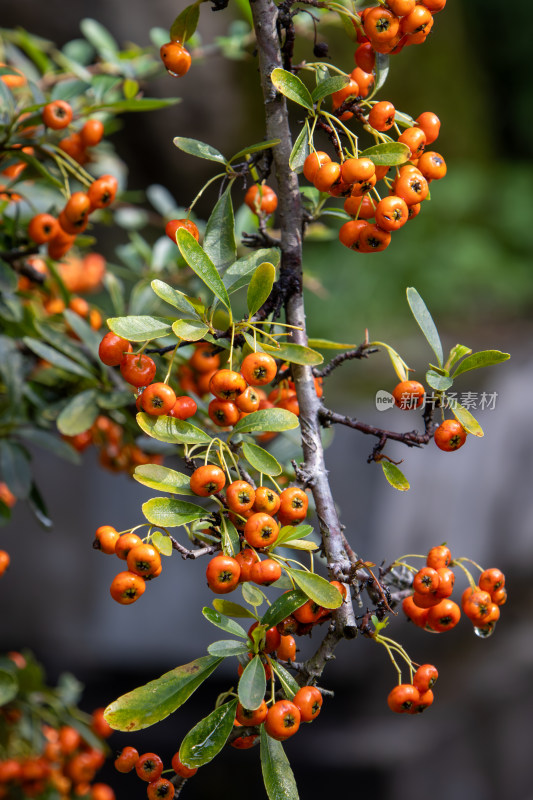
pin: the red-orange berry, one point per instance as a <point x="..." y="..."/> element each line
<point x="176" y="58"/>
<point x="223" y="574"/>
<point x="432" y="166"/>
<point x="430" y="124"/>
<point x="183" y="408"/>
<point x="283" y="720"/>
<point x="126" y="759"/>
<point x="207" y="480"/>
<point x="391" y="213"/>
<point x="181" y="769"/>
<point x="402" y="698"/>
<point x="308" y="700"/>
<point x="92" y="132"/>
<point x="127" y="587"/>
<point x="149" y="767"/>
<point x="173" y="226"/>
<point x="102" y="191"/>
<point x="425" y="677"/>
<point x="113" y="348"/>
<point x="408" y="394"/>
<point x="261" y="530"/>
<point x="313" y="162"/>
<point x="42" y="228"/>
<point x="261" y="199"/>
<point x="450" y="435"/>
<point x="57" y="114"/>
<point x="381" y="116"/>
<point x="258" y="369"/>
<point x="158" y="399"/>
<point x="138" y="369"/>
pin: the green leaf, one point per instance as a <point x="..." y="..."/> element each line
<point x="400" y="367"/>
<point x="38" y="507"/>
<point x="39" y="167"/>
<point x="456" y="354"/>
<point x="301" y="544"/>
<point x="292" y="87"/>
<point x="170" y="430"/>
<point x="162" y="543"/>
<point x="485" y="358"/>
<point x="395" y="476"/>
<point x="261" y="460"/>
<point x="185" y="24"/>
<point x="8" y="687"/>
<point x="382" y="71"/>
<point x="189" y="330"/>
<point x="236" y="276"/>
<point x="79" y="414"/>
<point x="438" y="382"/>
<point x="51" y="442"/>
<point x="209" y="736"/>
<point x="175" y="298"/>
<point x="252" y="595"/>
<point x="64" y="343"/>
<point x="267" y="419"/>
<point x="295" y="353"/>
<point x="201" y="264"/>
<point x="140" y="329"/>
<point x="330" y="85"/>
<point x="163" y="479"/>
<point x="223" y="622"/>
<point x="300" y="150"/>
<point x="389" y="154"/>
<point x="219" y="238"/>
<point x="427" y="326"/>
<point x="130" y="88"/>
<point x="137" y="104"/>
<point x="56" y="359"/>
<point x="290" y="532"/>
<point x="154" y="701"/>
<point x="232" y="609"/>
<point x="347" y="24"/>
<point x="91" y="339"/>
<point x="230" y="538"/>
<point x="288" y="683"/>
<point x="252" y="684"/>
<point x="326" y="344"/>
<point x="317" y="588"/>
<point x="199" y="149"/>
<point x="283" y="606"/>
<point x="166" y="512"/>
<point x="255" y="148"/>
<point x="260" y="286"/>
<point x="227" y="647"/>
<point x="466" y="419"/>
<point x="277" y="773"/>
<point x="100" y="38"/>
<point x="15" y="468"/>
<point x="114" y="400"/>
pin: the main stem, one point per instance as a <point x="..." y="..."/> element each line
<point x="290" y="215"/>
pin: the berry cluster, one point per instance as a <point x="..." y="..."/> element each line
<point x="142" y="559"/>
<point x="449" y="435"/>
<point x="390" y="27"/>
<point x="149" y="768"/>
<point x="415" y="697"/>
<point x="58" y="115"/>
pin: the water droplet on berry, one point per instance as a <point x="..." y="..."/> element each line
<point x="173" y="74"/>
<point x="485" y="631"/>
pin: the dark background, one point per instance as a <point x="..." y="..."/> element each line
<point x="469" y="255"/>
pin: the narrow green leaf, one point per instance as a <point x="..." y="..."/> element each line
<point x="236" y="276"/>
<point x="51" y="442"/>
<point x="288" y="683"/>
<point x="91" y="339"/>
<point x="15" y="468"/>
<point x="395" y="476"/>
<point x="185" y="24"/>
<point x="300" y="150"/>
<point x="8" y="687"/>
<point x="317" y="588"/>
<point x="425" y="321"/>
<point x="100" y="38"/>
<point x="162" y="543"/>
<point x="277" y="773"/>
<point x="252" y="684"/>
<point x="326" y="344"/>
<point x="166" y="512"/>
<point x="382" y="71"/>
<point x="199" y="149"/>
<point x="163" y="479"/>
<point x="130" y="88"/>
<point x="154" y="701"/>
<point x="301" y="544"/>
<point x="400" y="367"/>
<point x="190" y="330"/>
<point x="230" y="538"/>
<point x="260" y="286"/>
<point x="137" y="104"/>
<point x="114" y="400"/>
<point x="389" y="154"/>
<point x="330" y="85"/>
<point x="438" y="382"/>
<point x="404" y="120"/>
<point x="64" y="343"/>
<point x="347" y="24"/>
<point x="201" y="264"/>
<point x="209" y="736"/>
<point x="173" y="431"/>
<point x="295" y="353"/>
<point x="219" y="238"/>
<point x="252" y="595"/>
<point x="267" y="419"/>
<point x="55" y="358"/>
<point x="261" y="460"/>
<point x="223" y="622"/>
<point x="283" y="606"/>
<point x="255" y="148"/>
<point x="232" y="609"/>
<point x="227" y="647"/>
<point x="79" y="414"/>
<point x="466" y="419"/>
<point x="456" y="354"/>
<point x="140" y="329"/>
<point x="485" y="358"/>
<point x="175" y="298"/>
<point x="290" y="532"/>
<point x="292" y="87"/>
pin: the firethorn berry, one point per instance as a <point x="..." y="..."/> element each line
<point x="258" y="369"/>
<point x="477" y="606"/>
<point x="450" y="435"/>
<point x="491" y="580"/>
<point x="73" y="146"/>
<point x="349" y="92"/>
<point x="365" y="56"/>
<point x="365" y="80"/>
<point x="349" y="231"/>
<point x="248" y="716"/>
<point x="261" y="530"/>
<point x="92" y="132"/>
<point x="402" y="698"/>
<point x="72" y="227"/>
<point x="99" y="724"/>
<point x="357" y="169"/>
<point x="265" y="572"/>
<point x="425" y="678"/>
<point x="5" y="560"/>
<point x="172" y="227"/>
<point x="127" y="587"/>
<point x="408" y="394"/>
<point x="327" y="176"/>
<point x="415" y="613"/>
<point x="381" y="116"/>
<point x="158" y="399"/>
<point x="161" y="788"/>
<point x="439" y="556"/>
<point x="223" y="412"/>
<point x="426" y="581"/>
<point x="500" y="596"/>
<point x="207" y="480"/>
<point x="261" y="199"/>
<point x="293" y="504"/>
<point x="183" y="408"/>
<point x="430" y="124"/>
<point x="308" y="613"/>
<point x="362" y="207"/>
<point x="401" y="7"/>
<point x="391" y="213"/>
<point x="415" y="139"/>
<point x="360" y="188"/>
<point x="380" y="24"/>
<point x="287" y="649"/>
<point x="424" y="701"/>
<point x="227" y="384"/>
<point x="308" y="700"/>
<point x="240" y="496"/>
<point x="446" y="582"/>
<point x="223" y="574"/>
<point x="283" y="720"/>
<point x="112" y="349"/>
<point x="444" y="616"/>
<point x="246" y="559"/>
<point x="180" y="769"/>
<point x="149" y="767"/>
<point x="143" y="560"/>
<point x="427" y="600"/>
<point x="313" y="162"/>
<point x="411" y="186"/>
<point x="204" y="359"/>
<point x="248" y="401"/>
<point x="176" y="59"/>
<point x="77" y="208"/>
<point x="57" y="114"/>
<point x="138" y="369"/>
<point x="102" y="191"/>
<point x="125" y="543"/>
<point x="373" y="239"/>
<point x="432" y="165"/>
<point x="42" y="228"/>
<point x="418" y="21"/>
<point x="434" y="5"/>
<point x="288" y="626"/>
<point x="105" y="539"/>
